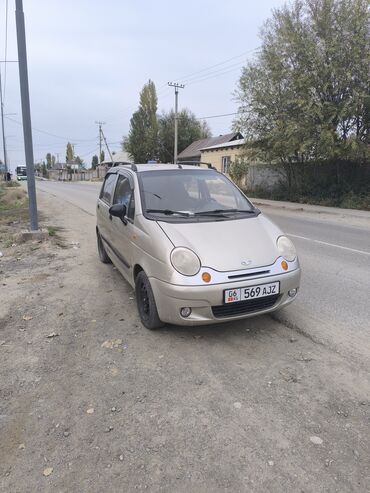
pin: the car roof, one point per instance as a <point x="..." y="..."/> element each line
<point x="157" y="167"/>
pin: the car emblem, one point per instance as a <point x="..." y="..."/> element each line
<point x="246" y="262"/>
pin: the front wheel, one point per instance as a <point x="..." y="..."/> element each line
<point x="101" y="250"/>
<point x="146" y="303"/>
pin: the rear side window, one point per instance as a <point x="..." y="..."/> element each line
<point x="108" y="187"/>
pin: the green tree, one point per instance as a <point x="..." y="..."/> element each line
<point x="48" y="160"/>
<point x="44" y="169"/>
<point x="189" y="130"/>
<point x="94" y="161"/>
<point x="142" y="140"/>
<point x="102" y="156"/>
<point x="306" y="95"/>
<point x="69" y="152"/>
<point x="52" y="161"/>
<point x="79" y="161"/>
<point x="239" y="171"/>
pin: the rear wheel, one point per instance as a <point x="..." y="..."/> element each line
<point x="146" y="303"/>
<point x="101" y="250"/>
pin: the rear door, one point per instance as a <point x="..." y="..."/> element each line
<point x="104" y="202"/>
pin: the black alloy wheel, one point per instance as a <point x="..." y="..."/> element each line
<point x="146" y="303"/>
<point x="101" y="250"/>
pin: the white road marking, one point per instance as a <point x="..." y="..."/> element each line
<point x="330" y="244"/>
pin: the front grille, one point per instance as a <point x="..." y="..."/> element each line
<point x="249" y="274"/>
<point x="242" y="307"/>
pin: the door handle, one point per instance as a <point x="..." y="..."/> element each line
<point x="98" y="206"/>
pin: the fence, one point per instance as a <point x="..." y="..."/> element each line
<point x="338" y="183"/>
<point x="73" y="175"/>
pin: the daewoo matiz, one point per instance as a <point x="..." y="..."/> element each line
<point x="194" y="247"/>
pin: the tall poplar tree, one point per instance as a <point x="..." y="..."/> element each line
<point x="69" y="152"/>
<point x="142" y="140"/>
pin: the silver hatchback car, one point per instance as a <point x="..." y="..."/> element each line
<point x="192" y="245"/>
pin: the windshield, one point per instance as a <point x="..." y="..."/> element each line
<point x="186" y="193"/>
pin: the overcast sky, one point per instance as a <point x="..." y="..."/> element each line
<point x="88" y="61"/>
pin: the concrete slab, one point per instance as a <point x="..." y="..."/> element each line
<point x="26" y="235"/>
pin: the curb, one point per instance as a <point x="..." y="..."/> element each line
<point x="318" y="209"/>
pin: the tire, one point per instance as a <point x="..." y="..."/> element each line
<point x="101" y="250"/>
<point x="145" y="301"/>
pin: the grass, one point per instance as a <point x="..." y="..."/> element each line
<point x="52" y="230"/>
<point x="12" y="197"/>
<point x="12" y="184"/>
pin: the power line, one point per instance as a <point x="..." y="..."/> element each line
<point x="219" y="116"/>
<point x="215" y="75"/>
<point x="215" y="72"/>
<point x="90" y="152"/>
<point x="187" y="77"/>
<point x="206" y="69"/>
<point x="45" y="147"/>
<point x="216" y="116"/>
<point x="48" y="133"/>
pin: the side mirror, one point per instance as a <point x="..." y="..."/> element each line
<point x="118" y="210"/>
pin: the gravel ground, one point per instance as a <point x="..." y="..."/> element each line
<point x="90" y="400"/>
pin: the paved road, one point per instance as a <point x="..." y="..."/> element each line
<point x="333" y="305"/>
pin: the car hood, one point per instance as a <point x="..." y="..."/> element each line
<point x="224" y="245"/>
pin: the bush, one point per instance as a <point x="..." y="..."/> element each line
<point x="12" y="184"/>
<point x="239" y="171"/>
<point x="12" y="198"/>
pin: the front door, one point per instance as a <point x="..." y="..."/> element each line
<point x="104" y="203"/>
<point x="122" y="231"/>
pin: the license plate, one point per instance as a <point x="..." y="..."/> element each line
<point x="251" y="292"/>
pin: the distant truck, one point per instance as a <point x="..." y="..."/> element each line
<point x="21" y="173"/>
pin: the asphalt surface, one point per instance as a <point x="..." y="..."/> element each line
<point x="333" y="304"/>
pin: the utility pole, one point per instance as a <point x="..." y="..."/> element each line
<point x="100" y="138"/>
<point x="3" y="129"/>
<point x="106" y="143"/>
<point x="177" y="87"/>
<point x="26" y="113"/>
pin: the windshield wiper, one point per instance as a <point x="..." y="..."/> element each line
<point x="167" y="212"/>
<point x="223" y="211"/>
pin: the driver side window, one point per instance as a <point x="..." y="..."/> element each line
<point x="125" y="195"/>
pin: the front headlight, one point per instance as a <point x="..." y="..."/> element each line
<point x="185" y="261"/>
<point x="286" y="248"/>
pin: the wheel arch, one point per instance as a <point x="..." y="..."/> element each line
<point x="136" y="270"/>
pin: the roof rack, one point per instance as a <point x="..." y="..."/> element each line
<point x="198" y="163"/>
<point x="120" y="163"/>
<point x="125" y="163"/>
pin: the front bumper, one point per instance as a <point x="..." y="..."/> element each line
<point x="171" y="298"/>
